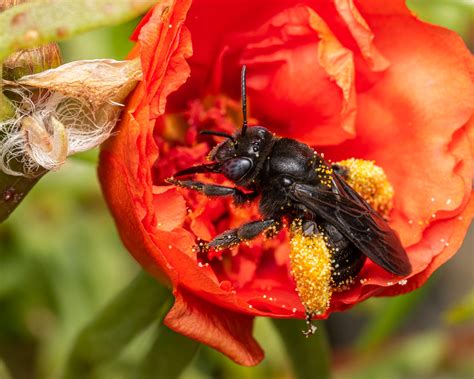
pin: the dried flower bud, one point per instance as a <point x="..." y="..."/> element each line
<point x="32" y="61"/>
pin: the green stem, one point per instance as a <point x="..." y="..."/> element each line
<point x="309" y="357"/>
<point x="12" y="189"/>
<point x="128" y="314"/>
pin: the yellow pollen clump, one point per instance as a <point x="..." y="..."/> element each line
<point x="370" y="181"/>
<point x="310" y="258"/>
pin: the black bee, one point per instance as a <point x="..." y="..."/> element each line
<point x="295" y="183"/>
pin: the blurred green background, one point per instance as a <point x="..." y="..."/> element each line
<point x="61" y="260"/>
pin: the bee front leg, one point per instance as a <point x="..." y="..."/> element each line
<point x="246" y="232"/>
<point x="215" y="190"/>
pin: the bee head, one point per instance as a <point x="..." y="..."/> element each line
<point x="250" y="145"/>
<point x="242" y="155"/>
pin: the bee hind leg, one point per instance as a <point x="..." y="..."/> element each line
<point x="235" y="236"/>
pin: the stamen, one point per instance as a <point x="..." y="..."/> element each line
<point x="310" y="258"/>
<point x="370" y="181"/>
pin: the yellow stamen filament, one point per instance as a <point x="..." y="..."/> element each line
<point x="310" y="258"/>
<point x="370" y="181"/>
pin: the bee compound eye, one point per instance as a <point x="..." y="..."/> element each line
<point x="236" y="168"/>
<point x="286" y="181"/>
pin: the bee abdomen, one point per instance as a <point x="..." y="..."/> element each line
<point x="346" y="259"/>
<point x="346" y="265"/>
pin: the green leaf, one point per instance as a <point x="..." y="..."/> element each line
<point x="310" y="357"/>
<point x="389" y="318"/>
<point x="32" y="24"/>
<point x="169" y="356"/>
<point x="132" y="310"/>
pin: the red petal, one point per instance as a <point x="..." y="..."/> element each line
<point x="165" y="44"/>
<point x="362" y="34"/>
<point x="127" y="158"/>
<point x="170" y="208"/>
<point x="136" y="239"/>
<point x="385" y="8"/>
<point x="228" y="332"/>
<point x="303" y="88"/>
<point x="411" y="122"/>
<point x="443" y="239"/>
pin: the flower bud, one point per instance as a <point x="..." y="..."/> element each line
<point x="31" y="61"/>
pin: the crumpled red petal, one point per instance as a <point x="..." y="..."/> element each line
<point x="362" y="33"/>
<point x="217" y="327"/>
<point x="318" y="104"/>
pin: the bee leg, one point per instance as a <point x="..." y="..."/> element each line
<point x="273" y="230"/>
<point x="311" y="327"/>
<point x="246" y="232"/>
<point x="310" y="228"/>
<point x="215" y="190"/>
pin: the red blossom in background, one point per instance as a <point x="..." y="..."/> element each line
<point x="362" y="79"/>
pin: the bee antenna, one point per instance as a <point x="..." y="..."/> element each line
<point x="216" y="133"/>
<point x="244" y="98"/>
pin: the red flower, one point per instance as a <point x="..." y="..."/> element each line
<point x="361" y="79"/>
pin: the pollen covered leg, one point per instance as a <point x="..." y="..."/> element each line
<point x="215" y="190"/>
<point x="310" y="257"/>
<point x="246" y="232"/>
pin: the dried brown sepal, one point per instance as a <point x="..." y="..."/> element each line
<point x="95" y="81"/>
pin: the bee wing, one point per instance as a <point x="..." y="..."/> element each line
<point x="356" y="220"/>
